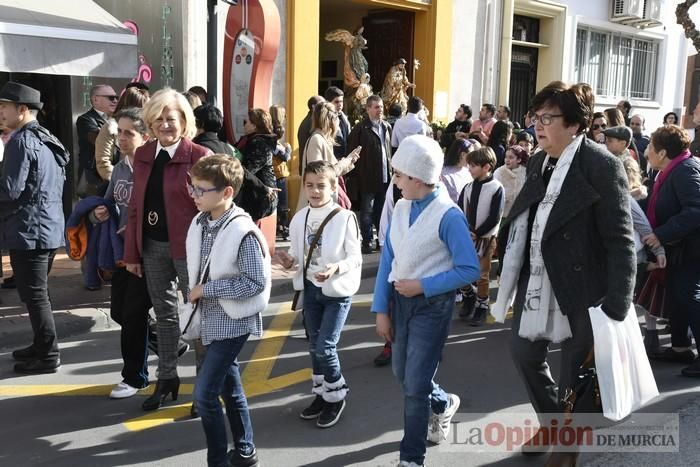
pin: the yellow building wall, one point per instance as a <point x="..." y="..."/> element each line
<point x="302" y="77"/>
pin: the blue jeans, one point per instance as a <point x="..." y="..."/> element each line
<point x="421" y="326"/>
<point x="325" y="318"/>
<point x="371" y="205"/>
<point x="220" y="376"/>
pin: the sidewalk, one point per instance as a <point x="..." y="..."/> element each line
<point x="78" y="310"/>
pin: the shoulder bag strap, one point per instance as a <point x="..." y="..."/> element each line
<point x="205" y="272"/>
<point x="317" y="237"/>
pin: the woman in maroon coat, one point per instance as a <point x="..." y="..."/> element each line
<point x="160" y="212"/>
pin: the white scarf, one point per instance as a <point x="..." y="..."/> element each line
<point x="541" y="316"/>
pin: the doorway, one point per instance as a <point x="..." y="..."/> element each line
<point x="523" y="81"/>
<point x="391" y="33"/>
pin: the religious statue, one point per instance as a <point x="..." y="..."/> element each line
<point x="355" y="66"/>
<point x="355" y="76"/>
<point x="396" y="85"/>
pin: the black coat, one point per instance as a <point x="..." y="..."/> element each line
<point x="211" y="141"/>
<point x="367" y="177"/>
<point x="587" y="244"/>
<point x="340" y="149"/>
<point x="257" y="157"/>
<point x="678" y="212"/>
<point x="253" y="195"/>
<point x="89" y="122"/>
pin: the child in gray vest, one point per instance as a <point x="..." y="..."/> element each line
<point x="482" y="201"/>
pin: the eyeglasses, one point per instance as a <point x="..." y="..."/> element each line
<point x="596" y="126"/>
<point x="111" y="98"/>
<point x="544" y="119"/>
<point x="198" y="192"/>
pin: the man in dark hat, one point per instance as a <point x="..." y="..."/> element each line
<point x="31" y="217"/>
<point x="104" y="102"/>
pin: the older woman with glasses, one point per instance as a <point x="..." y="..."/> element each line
<point x="674" y="214"/>
<point x="569" y="247"/>
<point x="319" y="146"/>
<point x="160" y="212"/>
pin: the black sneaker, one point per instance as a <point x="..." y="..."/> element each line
<point x="667" y="354"/>
<point x="37" y="366"/>
<point x="236" y="459"/>
<point x="25" y="354"/>
<point x="468" y="304"/>
<point x="314" y="410"/>
<point x="9" y="283"/>
<point x="480" y="312"/>
<point x="330" y="414"/>
<point x="384" y="358"/>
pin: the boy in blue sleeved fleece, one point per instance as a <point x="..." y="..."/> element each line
<point x="427" y="255"/>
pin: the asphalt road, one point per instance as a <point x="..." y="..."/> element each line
<point x="66" y="419"/>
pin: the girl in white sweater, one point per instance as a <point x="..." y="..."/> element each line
<point x="512" y="175"/>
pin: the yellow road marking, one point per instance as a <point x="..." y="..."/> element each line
<point x="255" y="377"/>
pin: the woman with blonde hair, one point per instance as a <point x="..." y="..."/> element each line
<point x="319" y="146"/>
<point x="160" y="211"/>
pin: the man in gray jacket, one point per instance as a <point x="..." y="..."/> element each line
<point x="31" y="217"/>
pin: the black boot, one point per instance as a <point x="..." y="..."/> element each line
<point x="163" y="388"/>
<point x="651" y="341"/>
<point x="25" y="354"/>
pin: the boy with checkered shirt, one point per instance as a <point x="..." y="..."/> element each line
<point x="229" y="272"/>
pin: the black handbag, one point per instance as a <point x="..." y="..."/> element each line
<point x="583" y="396"/>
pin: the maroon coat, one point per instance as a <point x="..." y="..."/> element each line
<point x="179" y="206"/>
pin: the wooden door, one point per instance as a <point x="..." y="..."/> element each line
<point x="389" y="35"/>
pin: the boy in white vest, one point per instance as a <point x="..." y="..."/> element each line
<point x="229" y="280"/>
<point x="325" y="245"/>
<point x="482" y="201"/>
<point x="424" y="260"/>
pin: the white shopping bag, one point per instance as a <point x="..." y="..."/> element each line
<point x="624" y="374"/>
<point x="190" y="321"/>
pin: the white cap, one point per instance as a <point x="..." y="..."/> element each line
<point x="420" y="157"/>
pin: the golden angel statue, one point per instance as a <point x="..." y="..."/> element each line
<point x="355" y="66"/>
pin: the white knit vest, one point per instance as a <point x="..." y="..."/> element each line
<point x="418" y="250"/>
<point x="488" y="189"/>
<point x="224" y="261"/>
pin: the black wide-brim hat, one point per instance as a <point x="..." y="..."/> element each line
<point x="21" y="94"/>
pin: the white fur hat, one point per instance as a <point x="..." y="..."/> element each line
<point x="420" y="157"/>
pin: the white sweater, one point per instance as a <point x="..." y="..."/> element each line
<point x="223" y="262"/>
<point x="418" y="250"/>
<point x="512" y="181"/>
<point x="341" y="245"/>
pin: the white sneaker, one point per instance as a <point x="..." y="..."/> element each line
<point x="409" y="464"/>
<point x="439" y="424"/>
<point x="122" y="391"/>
